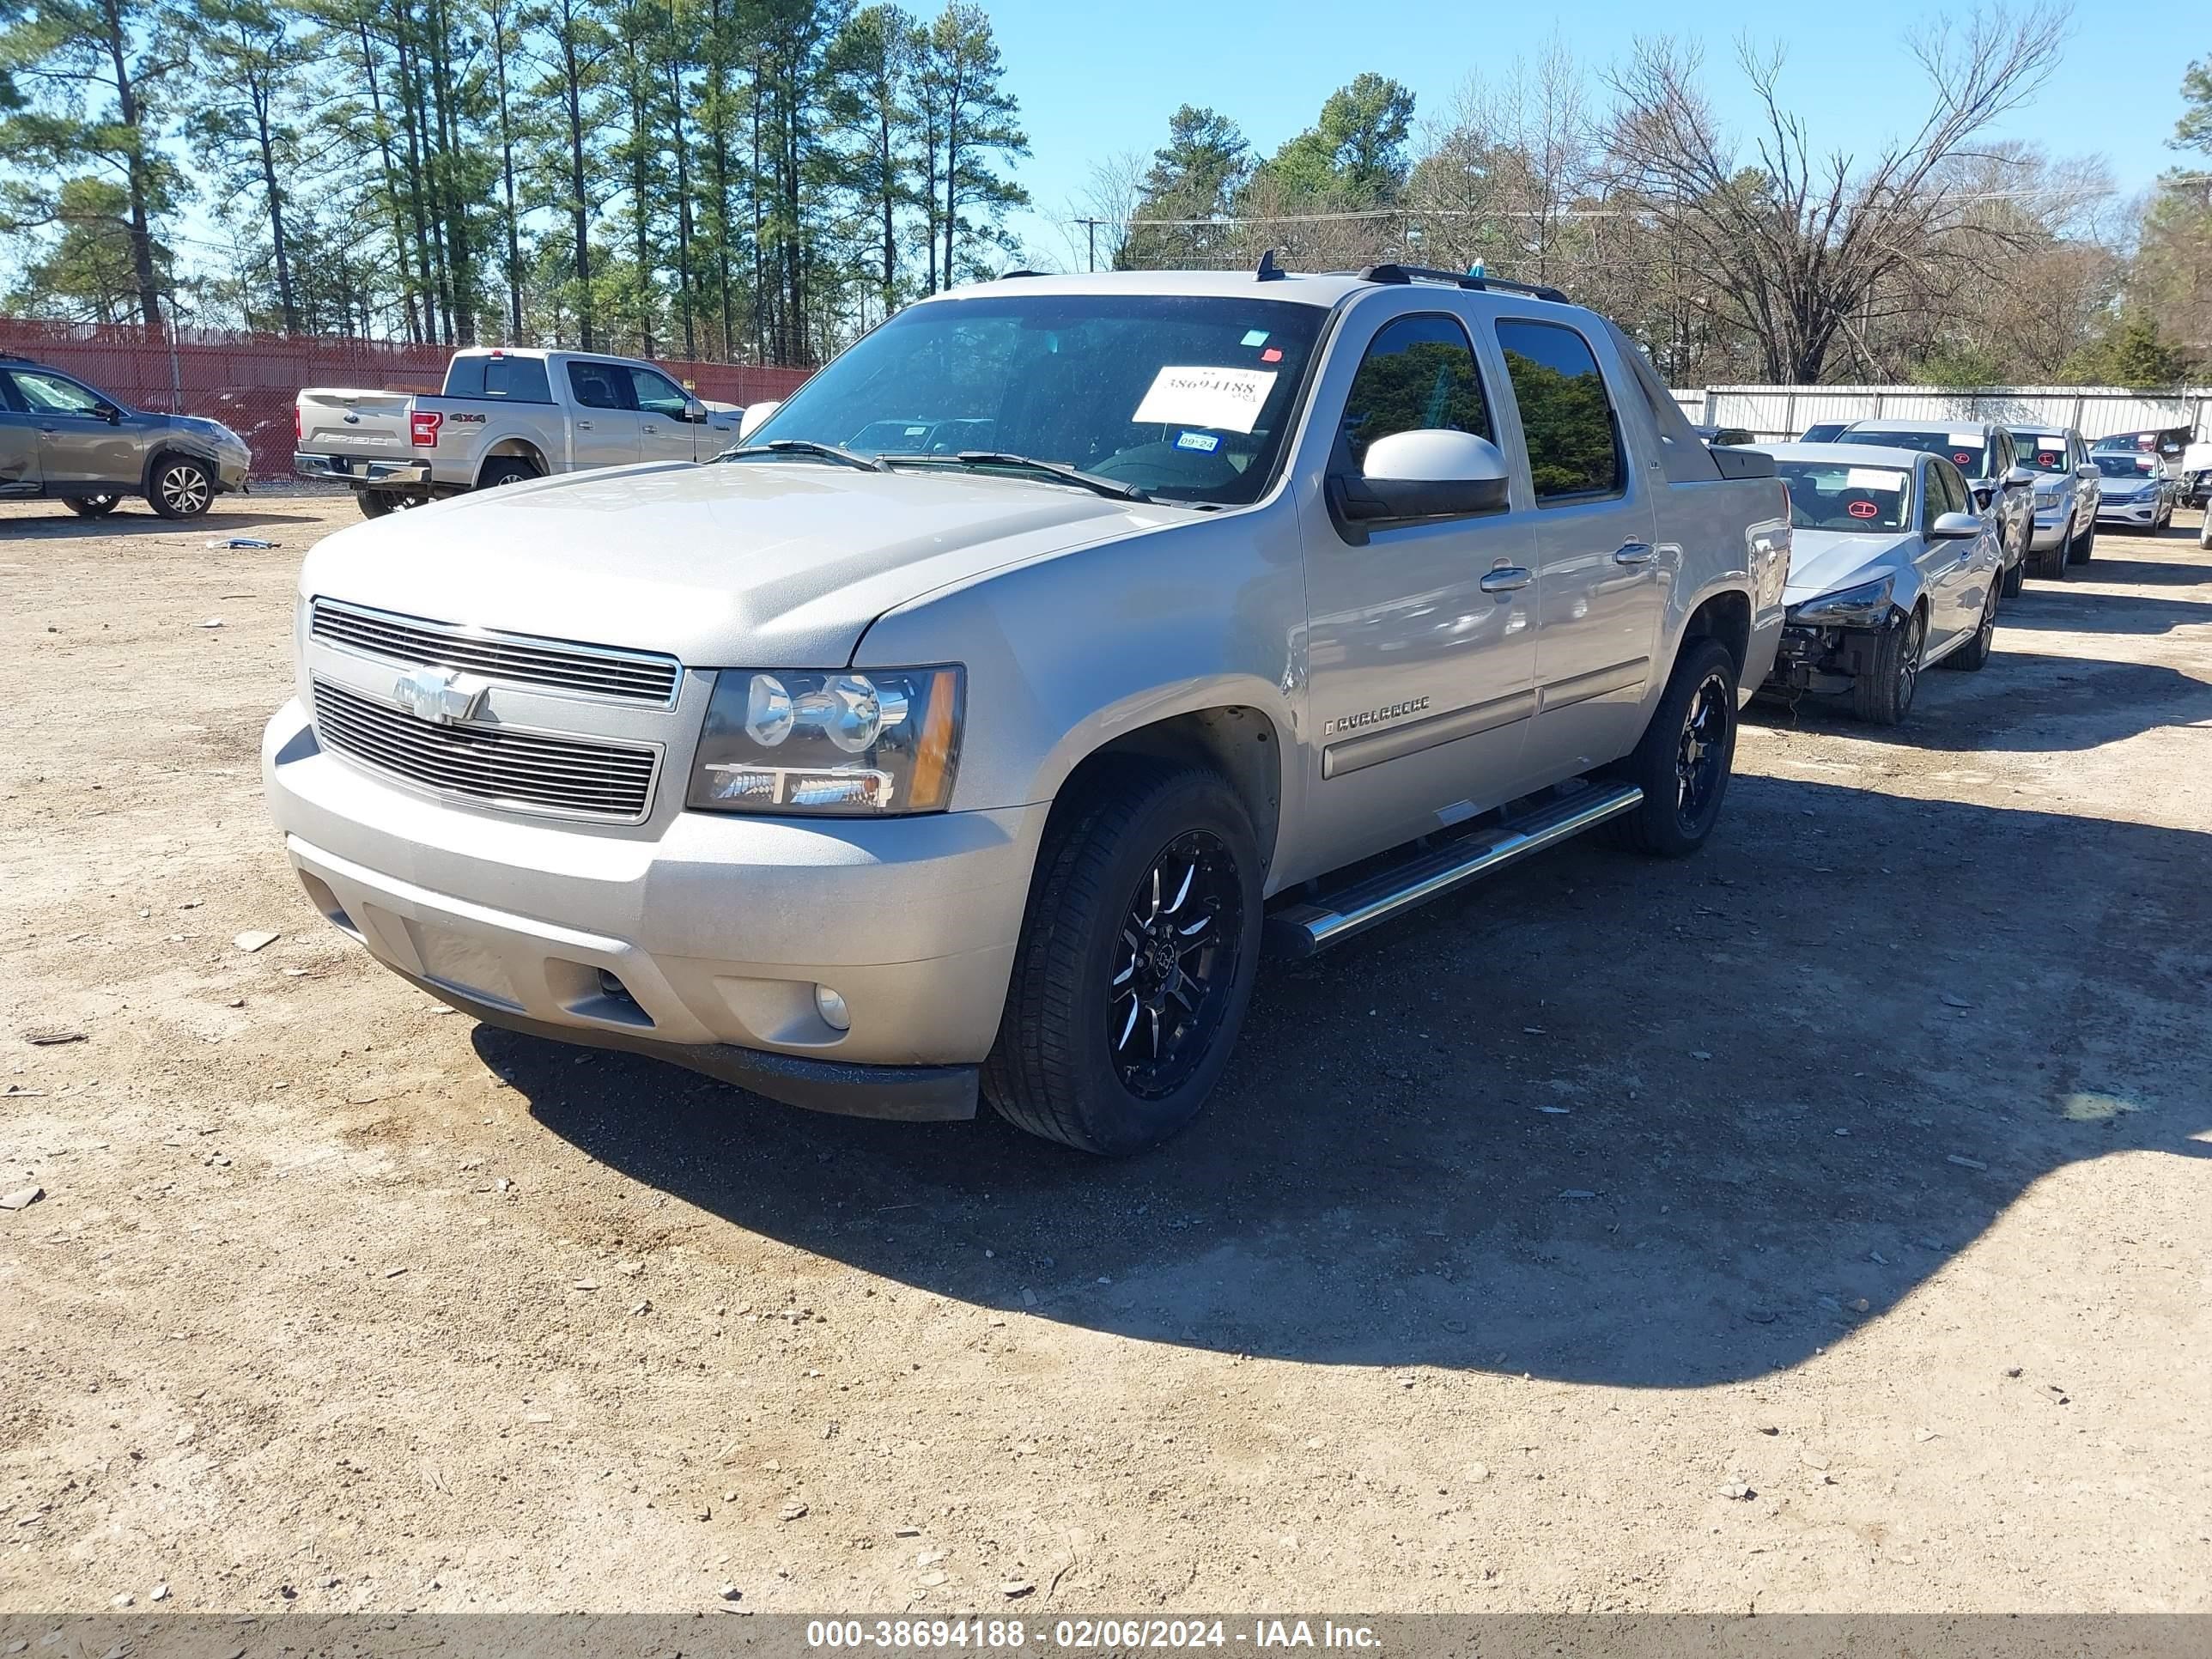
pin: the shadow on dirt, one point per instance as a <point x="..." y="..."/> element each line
<point x="219" y="520"/>
<point x="2022" y="702"/>
<point x="1602" y="1119"/>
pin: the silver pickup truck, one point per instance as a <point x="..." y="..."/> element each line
<point x="970" y="729"/>
<point x="505" y="416"/>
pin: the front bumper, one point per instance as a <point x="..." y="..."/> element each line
<point x="2143" y="512"/>
<point x="1824" y="659"/>
<point x="2051" y="527"/>
<point x="348" y="469"/>
<point x="701" y="939"/>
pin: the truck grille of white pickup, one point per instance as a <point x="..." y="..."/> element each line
<point x="599" y="671"/>
<point x="532" y="771"/>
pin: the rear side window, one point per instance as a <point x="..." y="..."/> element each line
<point x="1567" y="419"/>
<point x="1419" y="376"/>
<point x="518" y="379"/>
<point x="601" y="385"/>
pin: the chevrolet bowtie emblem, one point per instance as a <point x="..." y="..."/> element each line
<point x="440" y="695"/>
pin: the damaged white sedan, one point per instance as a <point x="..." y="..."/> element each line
<point x="1891" y="571"/>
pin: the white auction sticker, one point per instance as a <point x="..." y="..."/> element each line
<point x="1873" y="478"/>
<point x="1966" y="440"/>
<point x="1227" y="399"/>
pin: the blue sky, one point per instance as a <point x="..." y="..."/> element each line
<point x="1094" y="78"/>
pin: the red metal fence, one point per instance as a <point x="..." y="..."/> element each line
<point x="248" y="381"/>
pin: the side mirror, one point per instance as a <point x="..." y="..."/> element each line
<point x="109" y="413"/>
<point x="695" y="411"/>
<point x="2021" y="477"/>
<point x="1984" y="496"/>
<point x="1426" y="475"/>
<point x="1955" y="526"/>
<point x="754" y="414"/>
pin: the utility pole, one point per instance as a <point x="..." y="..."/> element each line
<point x="1090" y="230"/>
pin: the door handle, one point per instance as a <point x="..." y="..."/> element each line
<point x="649" y="427"/>
<point x="583" y="426"/>
<point x="1506" y="579"/>
<point x="1634" y="553"/>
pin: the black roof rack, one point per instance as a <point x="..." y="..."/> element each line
<point x="1397" y="273"/>
<point x="1009" y="276"/>
<point x="1269" y="271"/>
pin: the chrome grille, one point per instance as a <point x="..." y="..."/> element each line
<point x="537" y="771"/>
<point x="597" y="671"/>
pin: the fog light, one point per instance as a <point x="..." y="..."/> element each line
<point x="832" y="1008"/>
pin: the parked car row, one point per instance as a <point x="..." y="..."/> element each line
<point x="1908" y="535"/>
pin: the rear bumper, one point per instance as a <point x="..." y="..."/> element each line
<point x="361" y="474"/>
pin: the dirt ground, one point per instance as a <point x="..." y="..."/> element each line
<point x="1822" y="1223"/>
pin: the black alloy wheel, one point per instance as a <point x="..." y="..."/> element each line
<point x="1701" y="754"/>
<point x="1175" y="961"/>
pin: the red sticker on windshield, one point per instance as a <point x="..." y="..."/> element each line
<point x="1961" y="458"/>
<point x="1272" y="355"/>
<point x="1862" y="509"/>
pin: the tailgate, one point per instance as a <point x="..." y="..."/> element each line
<point x="334" y="421"/>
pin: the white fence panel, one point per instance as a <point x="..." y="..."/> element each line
<point x="1774" y="413"/>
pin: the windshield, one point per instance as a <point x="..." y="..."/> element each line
<point x="1965" y="449"/>
<point x="1832" y="496"/>
<point x="1187" y="398"/>
<point x="2123" y="465"/>
<point x="2043" y="451"/>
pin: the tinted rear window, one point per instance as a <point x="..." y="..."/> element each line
<point x="517" y="380"/>
<point x="1964" y="450"/>
<point x="1566" y="418"/>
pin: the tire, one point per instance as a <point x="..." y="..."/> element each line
<point x="2050" y="562"/>
<point x="1884" y="695"/>
<point x="180" y="486"/>
<point x="2015" y="578"/>
<point x="1692" y="727"/>
<point x="2204" y="530"/>
<point x="2084" y="544"/>
<point x="1970" y="656"/>
<point x="505" y="470"/>
<point x="93" y="507"/>
<point x="375" y="503"/>
<point x="1060" y="1067"/>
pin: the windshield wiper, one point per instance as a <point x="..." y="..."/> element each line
<point x="805" y="447"/>
<point x="1074" y="474"/>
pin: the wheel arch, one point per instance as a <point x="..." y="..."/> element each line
<point x="1725" y="615"/>
<point x="512" y="447"/>
<point x="172" y="444"/>
<point x="1241" y="742"/>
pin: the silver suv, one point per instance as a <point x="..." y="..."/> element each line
<point x="873" y="772"/>
<point x="62" y="440"/>
<point x="2068" y="488"/>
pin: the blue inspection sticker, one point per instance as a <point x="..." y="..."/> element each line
<point x="1257" y="336"/>
<point x="1205" y="442"/>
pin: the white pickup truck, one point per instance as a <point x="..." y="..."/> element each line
<point x="504" y="415"/>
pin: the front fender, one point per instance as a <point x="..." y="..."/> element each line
<point x="1067" y="653"/>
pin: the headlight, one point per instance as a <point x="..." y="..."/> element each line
<point x="843" y="742"/>
<point x="1864" y="606"/>
<point x="2047" y="497"/>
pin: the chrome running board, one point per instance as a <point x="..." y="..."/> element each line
<point x="1312" y="925"/>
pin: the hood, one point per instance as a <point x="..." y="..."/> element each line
<point x="766" y="565"/>
<point x="1829" y="561"/>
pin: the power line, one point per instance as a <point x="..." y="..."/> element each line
<point x="1408" y="211"/>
